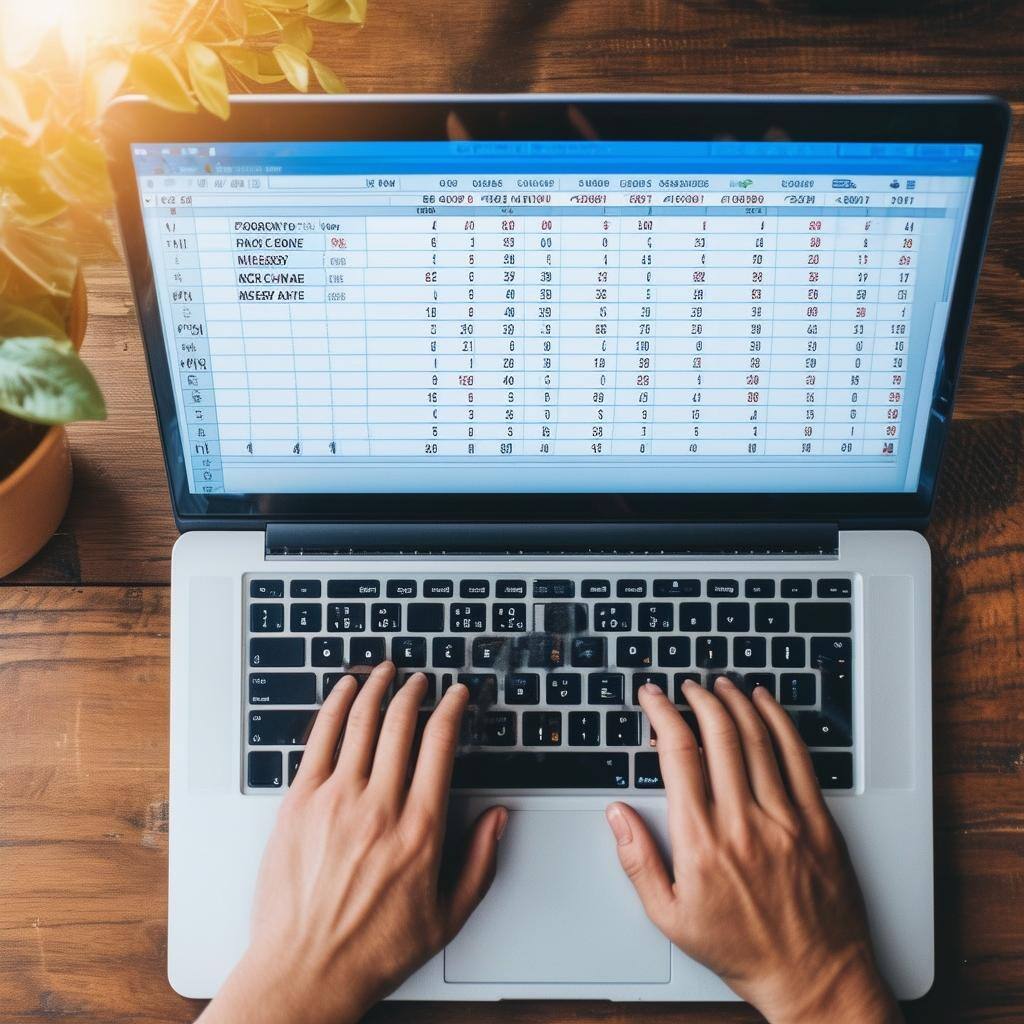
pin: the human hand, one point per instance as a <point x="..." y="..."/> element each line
<point x="349" y="899"/>
<point x="761" y="889"/>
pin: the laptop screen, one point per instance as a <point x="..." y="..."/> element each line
<point x="553" y="317"/>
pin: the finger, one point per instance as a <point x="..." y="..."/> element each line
<point x="758" y="753"/>
<point x="391" y="760"/>
<point x="361" y="730"/>
<point x="478" y="869"/>
<point x="723" y="756"/>
<point x="318" y="757"/>
<point x="678" y="755"/>
<point x="433" y="772"/>
<point x="642" y="861"/>
<point x="794" y="757"/>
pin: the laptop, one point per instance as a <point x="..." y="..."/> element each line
<point x="554" y="395"/>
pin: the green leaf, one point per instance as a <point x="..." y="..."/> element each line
<point x="349" y="12"/>
<point x="206" y="73"/>
<point x="294" y="65"/>
<point x="43" y="380"/>
<point x="328" y="80"/>
<point x="156" y="75"/>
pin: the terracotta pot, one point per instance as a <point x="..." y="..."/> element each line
<point x="34" y="498"/>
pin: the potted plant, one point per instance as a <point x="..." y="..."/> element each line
<point x="61" y="66"/>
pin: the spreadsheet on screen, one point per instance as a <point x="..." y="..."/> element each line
<point x="373" y="317"/>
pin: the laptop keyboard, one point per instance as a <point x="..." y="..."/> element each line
<point x="553" y="665"/>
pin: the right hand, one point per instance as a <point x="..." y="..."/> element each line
<point x="761" y="889"/>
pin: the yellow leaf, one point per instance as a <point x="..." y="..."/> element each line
<point x="352" y="12"/>
<point x="77" y="170"/>
<point x="156" y="75"/>
<point x="298" y="34"/>
<point x="14" y="111"/>
<point x="208" y="79"/>
<point x="258" y="67"/>
<point x="328" y="80"/>
<point x="32" y="202"/>
<point x="235" y="13"/>
<point x="101" y="85"/>
<point x="21" y="321"/>
<point x="43" y="255"/>
<point x="262" y="21"/>
<point x="294" y="65"/>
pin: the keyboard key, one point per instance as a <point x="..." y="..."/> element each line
<point x="468" y="618"/>
<point x="831" y="652"/>
<point x="595" y="588"/>
<point x="824" y="617"/>
<point x="820" y="730"/>
<point x="678" y="697"/>
<point x="353" y="588"/>
<point x="517" y="769"/>
<point x="589" y="652"/>
<point x="771" y="618"/>
<point x="554" y="588"/>
<point x="409" y="651"/>
<point x="279" y="652"/>
<point x="789" y="652"/>
<point x="331" y="680"/>
<point x="304" y="588"/>
<point x="655" y="618"/>
<point x="765" y="679"/>
<point x="796" y="688"/>
<point x="294" y="760"/>
<point x="425" y="618"/>
<point x="539" y="650"/>
<point x="633" y="651"/>
<point x="509" y="618"/>
<point x="326" y="651"/>
<point x="265" y="769"/>
<point x="510" y="588"/>
<point x="837" y="696"/>
<point x="622" y="728"/>
<point x="346" y="618"/>
<point x="487" y="650"/>
<point x="448" y="652"/>
<point x="723" y="588"/>
<point x="564" y="688"/>
<point x="647" y="771"/>
<point x="475" y="588"/>
<point x="796" y="588"/>
<point x="835" y="588"/>
<point x="759" y="588"/>
<point x="749" y="652"/>
<point x="266" y="618"/>
<point x="280" y="728"/>
<point x="677" y="588"/>
<point x="711" y="652"/>
<point x="266" y="588"/>
<point x="306" y="618"/>
<point x="659" y="679"/>
<point x="483" y="688"/>
<point x="631" y="588"/>
<point x="367" y="651"/>
<point x="385" y="618"/>
<point x="673" y="651"/>
<point x="733" y="618"/>
<point x="834" y="769"/>
<point x="401" y="588"/>
<point x="606" y="688"/>
<point x="438" y="588"/>
<point x="584" y="728"/>
<point x="497" y="729"/>
<point x="429" y="695"/>
<point x="542" y="728"/>
<point x="522" y="688"/>
<point x="282" y="688"/>
<point x="694" y="617"/>
<point x="564" y="617"/>
<point x="613" y="618"/>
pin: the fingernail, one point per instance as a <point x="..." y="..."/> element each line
<point x="723" y="681"/>
<point x="689" y="683"/>
<point x="499" y="829"/>
<point x="619" y="825"/>
<point x="457" y="686"/>
<point x="653" y="688"/>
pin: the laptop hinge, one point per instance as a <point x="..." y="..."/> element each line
<point x="327" y="540"/>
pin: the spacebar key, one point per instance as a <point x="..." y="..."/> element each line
<point x="541" y="770"/>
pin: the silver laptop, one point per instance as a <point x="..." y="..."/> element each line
<point x="554" y="396"/>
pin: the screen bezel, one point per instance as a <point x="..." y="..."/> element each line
<point x="982" y="120"/>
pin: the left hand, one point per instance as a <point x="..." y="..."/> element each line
<point x="349" y="900"/>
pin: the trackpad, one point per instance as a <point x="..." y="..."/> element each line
<point x="560" y="910"/>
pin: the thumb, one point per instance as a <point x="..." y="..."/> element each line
<point x="641" y="860"/>
<point x="478" y="868"/>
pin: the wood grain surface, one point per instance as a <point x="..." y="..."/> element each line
<point x="83" y="628"/>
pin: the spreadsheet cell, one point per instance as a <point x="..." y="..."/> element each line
<point x="778" y="327"/>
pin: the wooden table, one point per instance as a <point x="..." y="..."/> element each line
<point x="83" y="629"/>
